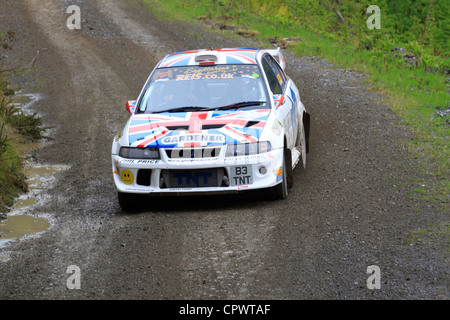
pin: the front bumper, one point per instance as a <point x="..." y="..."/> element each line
<point x="198" y="175"/>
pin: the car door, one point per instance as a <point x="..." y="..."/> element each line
<point x="279" y="85"/>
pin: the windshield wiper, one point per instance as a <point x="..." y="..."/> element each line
<point x="199" y="108"/>
<point x="240" y="105"/>
<point x="181" y="109"/>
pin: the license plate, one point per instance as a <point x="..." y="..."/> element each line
<point x="192" y="178"/>
<point x="241" y="175"/>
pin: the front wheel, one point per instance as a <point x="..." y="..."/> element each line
<point x="127" y="201"/>
<point x="304" y="147"/>
<point x="280" y="191"/>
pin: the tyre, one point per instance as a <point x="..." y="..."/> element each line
<point x="304" y="146"/>
<point x="280" y="191"/>
<point x="128" y="201"/>
<point x="288" y="168"/>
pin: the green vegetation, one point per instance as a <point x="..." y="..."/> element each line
<point x="12" y="181"/>
<point x="407" y="59"/>
<point x="16" y="128"/>
<point x="429" y="233"/>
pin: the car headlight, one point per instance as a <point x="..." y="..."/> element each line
<point x="139" y="153"/>
<point x="245" y="149"/>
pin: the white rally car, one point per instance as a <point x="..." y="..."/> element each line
<point x="212" y="121"/>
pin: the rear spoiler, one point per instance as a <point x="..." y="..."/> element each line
<point x="276" y="53"/>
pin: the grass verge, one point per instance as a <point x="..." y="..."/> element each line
<point x="12" y="181"/>
<point x="16" y="128"/>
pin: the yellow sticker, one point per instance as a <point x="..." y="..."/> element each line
<point x="127" y="176"/>
<point x="119" y="136"/>
<point x="279" y="78"/>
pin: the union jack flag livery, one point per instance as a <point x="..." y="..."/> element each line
<point x="278" y="100"/>
<point x="188" y="128"/>
<point x="228" y="56"/>
<point x="212" y="120"/>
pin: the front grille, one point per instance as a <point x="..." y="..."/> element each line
<point x="193" y="153"/>
<point x="195" y="178"/>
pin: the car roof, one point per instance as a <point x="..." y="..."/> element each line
<point x="210" y="56"/>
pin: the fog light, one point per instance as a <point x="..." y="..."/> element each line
<point x="263" y="170"/>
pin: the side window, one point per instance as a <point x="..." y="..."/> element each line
<point x="279" y="73"/>
<point x="274" y="84"/>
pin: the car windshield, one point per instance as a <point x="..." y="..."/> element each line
<point x="211" y="87"/>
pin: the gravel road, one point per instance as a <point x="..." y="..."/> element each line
<point x="348" y="210"/>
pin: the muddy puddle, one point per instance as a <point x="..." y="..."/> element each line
<point x="19" y="221"/>
<point x="20" y="225"/>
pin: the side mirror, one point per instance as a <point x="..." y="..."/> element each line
<point x="279" y="100"/>
<point x="131" y="105"/>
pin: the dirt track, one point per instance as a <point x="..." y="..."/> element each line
<point x="348" y="210"/>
